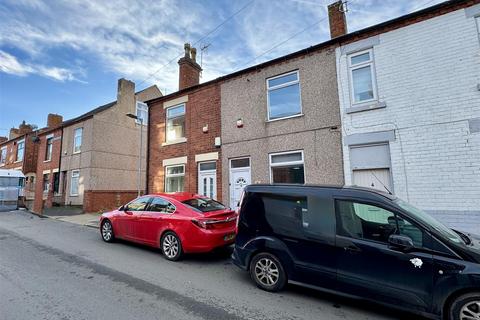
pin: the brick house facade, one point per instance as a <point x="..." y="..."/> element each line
<point x="417" y="130"/>
<point x="48" y="186"/>
<point x="184" y="128"/>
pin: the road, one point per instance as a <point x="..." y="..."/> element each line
<point x="56" y="270"/>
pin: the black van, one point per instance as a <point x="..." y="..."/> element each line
<point x="360" y="243"/>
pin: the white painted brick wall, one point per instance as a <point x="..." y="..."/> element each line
<point x="427" y="74"/>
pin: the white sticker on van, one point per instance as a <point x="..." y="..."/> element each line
<point x="417" y="262"/>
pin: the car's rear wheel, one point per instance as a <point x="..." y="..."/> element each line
<point x="466" y="307"/>
<point x="267" y="272"/>
<point x="107" y="231"/>
<point x="171" y="246"/>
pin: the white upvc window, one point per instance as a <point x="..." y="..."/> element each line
<point x="287" y="167"/>
<point x="283" y="96"/>
<point x="3" y="155"/>
<point x="362" y="77"/>
<point x="477" y="19"/>
<point x="20" y="150"/>
<point x="77" y="140"/>
<point x="49" y="148"/>
<point x="175" y="128"/>
<point x="46" y="183"/>
<point x="175" y="178"/>
<point x="141" y="112"/>
<point x="74" y="182"/>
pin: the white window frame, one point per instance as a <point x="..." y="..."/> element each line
<point x="23" y="150"/>
<point x="174" y="175"/>
<point x="282" y="164"/>
<point x="181" y="139"/>
<point x="477" y="22"/>
<point x="142" y="107"/>
<point x="351" y="68"/>
<point x="74" y="140"/>
<point x="283" y="85"/>
<point x="47" y="189"/>
<point x="75" y="173"/>
<point x="3" y="156"/>
<point x="49" y="137"/>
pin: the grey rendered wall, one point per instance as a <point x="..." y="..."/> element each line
<point x="317" y="132"/>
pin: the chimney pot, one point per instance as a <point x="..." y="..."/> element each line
<point x="337" y="19"/>
<point x="193" y="53"/>
<point x="187" y="50"/>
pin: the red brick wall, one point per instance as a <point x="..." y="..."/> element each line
<point x="29" y="163"/>
<point x="100" y="201"/>
<point x="43" y="200"/>
<point x="202" y="108"/>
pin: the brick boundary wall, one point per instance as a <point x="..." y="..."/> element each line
<point x="105" y="200"/>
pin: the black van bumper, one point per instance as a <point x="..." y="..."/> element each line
<point x="239" y="258"/>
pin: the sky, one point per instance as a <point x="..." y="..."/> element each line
<point x="65" y="56"/>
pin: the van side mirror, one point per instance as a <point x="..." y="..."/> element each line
<point x="401" y="242"/>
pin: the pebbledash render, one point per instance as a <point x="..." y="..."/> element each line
<point x="99" y="160"/>
<point x="410" y="103"/>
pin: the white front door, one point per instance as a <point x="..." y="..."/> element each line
<point x="240" y="177"/>
<point x="207" y="179"/>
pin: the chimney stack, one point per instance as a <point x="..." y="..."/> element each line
<point x="189" y="73"/>
<point x="23" y="128"/>
<point x="337" y="19"/>
<point x="54" y="120"/>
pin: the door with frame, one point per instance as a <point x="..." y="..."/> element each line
<point x="207" y="179"/>
<point x="240" y="177"/>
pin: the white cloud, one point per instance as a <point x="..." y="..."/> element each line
<point x="135" y="38"/>
<point x="10" y="64"/>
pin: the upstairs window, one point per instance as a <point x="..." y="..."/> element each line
<point x="175" y="123"/>
<point x="20" y="150"/>
<point x="141" y="112"/>
<point x="174" y="178"/>
<point x="284" y="96"/>
<point x="77" y="140"/>
<point x="362" y="77"/>
<point x="3" y="155"/>
<point x="287" y="167"/>
<point x="477" y="20"/>
<point x="49" y="148"/>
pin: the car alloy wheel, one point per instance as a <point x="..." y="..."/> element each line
<point x="107" y="231"/>
<point x="266" y="271"/>
<point x="470" y="311"/>
<point x="171" y="246"/>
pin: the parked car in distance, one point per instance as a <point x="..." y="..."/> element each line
<point x="177" y="223"/>
<point x="360" y="243"/>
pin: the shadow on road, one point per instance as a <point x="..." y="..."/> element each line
<point x="222" y="256"/>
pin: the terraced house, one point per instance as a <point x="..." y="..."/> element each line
<point x="99" y="160"/>
<point x="409" y="93"/>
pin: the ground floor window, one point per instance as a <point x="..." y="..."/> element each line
<point x="74" y="183"/>
<point x="56" y="182"/>
<point x="174" y="178"/>
<point x="46" y="184"/>
<point x="287" y="167"/>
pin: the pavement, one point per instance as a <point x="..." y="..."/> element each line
<point x="85" y="219"/>
<point x="53" y="269"/>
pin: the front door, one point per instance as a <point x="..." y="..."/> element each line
<point x="240" y="177"/>
<point x="369" y="267"/>
<point x="207" y="179"/>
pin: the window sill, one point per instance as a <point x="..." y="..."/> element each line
<point x="285" y="118"/>
<point x="17" y="161"/>
<point x="74" y="195"/>
<point x="47" y="160"/>
<point x="182" y="140"/>
<point x="77" y="152"/>
<point x="366" y="107"/>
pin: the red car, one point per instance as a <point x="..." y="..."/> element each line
<point x="178" y="223"/>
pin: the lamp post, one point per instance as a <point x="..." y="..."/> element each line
<point x="139" y="177"/>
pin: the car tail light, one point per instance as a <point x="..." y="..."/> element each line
<point x="203" y="224"/>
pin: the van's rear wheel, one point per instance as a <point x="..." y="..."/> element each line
<point x="267" y="272"/>
<point x="466" y="307"/>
